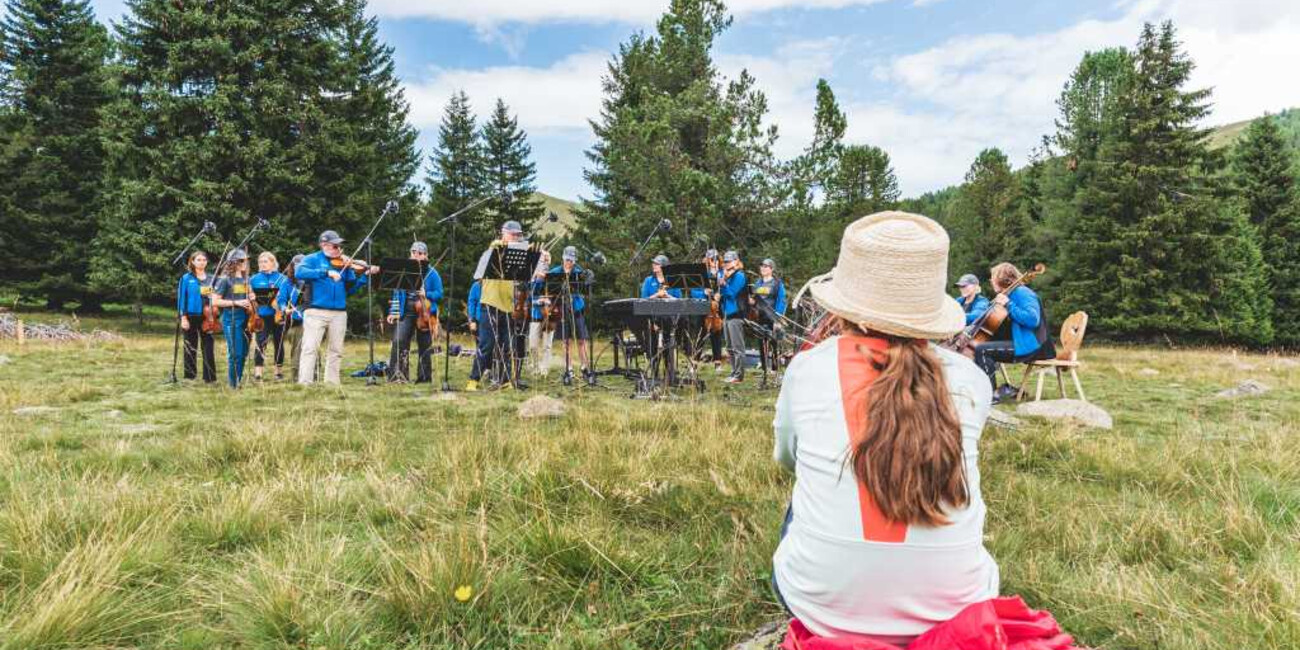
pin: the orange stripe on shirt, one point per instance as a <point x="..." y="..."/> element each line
<point x="856" y="376"/>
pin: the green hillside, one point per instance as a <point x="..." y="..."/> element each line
<point x="564" y="209"/>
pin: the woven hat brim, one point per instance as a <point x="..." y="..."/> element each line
<point x="950" y="320"/>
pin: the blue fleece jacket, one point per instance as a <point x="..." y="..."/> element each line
<point x="474" y="304"/>
<point x="1025" y="312"/>
<point x="731" y="291"/>
<point x="189" y="294"/>
<point x="327" y="293"/>
<point x="432" y="289"/>
<point x="651" y="286"/>
<point x="263" y="280"/>
<point x="975" y="309"/>
<point x="289" y="294"/>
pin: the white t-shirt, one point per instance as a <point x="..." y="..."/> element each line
<point x="843" y="569"/>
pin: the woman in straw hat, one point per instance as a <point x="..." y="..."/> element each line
<point x="894" y="545"/>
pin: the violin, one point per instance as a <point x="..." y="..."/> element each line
<point x="425" y="319"/>
<point x="254" y="323"/>
<point x="340" y="263"/>
<point x="211" y="319"/>
<point x="987" y="325"/>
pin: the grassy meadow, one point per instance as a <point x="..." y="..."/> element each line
<point x="134" y="514"/>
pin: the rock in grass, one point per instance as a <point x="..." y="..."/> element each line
<point x="1085" y="413"/>
<point x="768" y="637"/>
<point x="113" y="414"/>
<point x="36" y="411"/>
<point x="541" y="406"/>
<point x="1148" y="372"/>
<point x="1004" y="420"/>
<point x="4" y="359"/>
<point x="1244" y="389"/>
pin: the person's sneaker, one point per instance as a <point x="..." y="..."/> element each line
<point x="717" y="367"/>
<point x="471" y="386"/>
<point x="1006" y="391"/>
<point x="734" y="379"/>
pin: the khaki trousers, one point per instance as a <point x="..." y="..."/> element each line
<point x="539" y="348"/>
<point x="316" y="325"/>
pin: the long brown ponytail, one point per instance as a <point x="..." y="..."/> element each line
<point x="910" y="456"/>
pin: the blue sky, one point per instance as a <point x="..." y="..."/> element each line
<point x="931" y="81"/>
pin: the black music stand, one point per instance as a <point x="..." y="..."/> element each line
<point x="566" y="286"/>
<point x="685" y="278"/>
<point x="513" y="262"/>
<point x="400" y="274"/>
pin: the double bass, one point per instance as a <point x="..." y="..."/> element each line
<point x="987" y="325"/>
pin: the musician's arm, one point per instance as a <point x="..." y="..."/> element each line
<point x="1024" y="309"/>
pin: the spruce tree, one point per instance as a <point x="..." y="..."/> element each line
<point x="864" y="183"/>
<point x="676" y="141"/>
<point x="1263" y="181"/>
<point x="987" y="224"/>
<point x="51" y="161"/>
<point x="508" y="171"/>
<point x="455" y="180"/>
<point x="1152" y="249"/>
<point x="280" y="109"/>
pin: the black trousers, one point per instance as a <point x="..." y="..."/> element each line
<point x="399" y="360"/>
<point x="496" y="335"/>
<point x="273" y="333"/>
<point x="989" y="355"/>
<point x="194" y="341"/>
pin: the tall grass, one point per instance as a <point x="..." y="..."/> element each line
<point x="141" y="515"/>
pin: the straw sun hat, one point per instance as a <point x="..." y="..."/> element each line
<point x="891" y="278"/>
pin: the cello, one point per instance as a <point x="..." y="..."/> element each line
<point x="987" y="325"/>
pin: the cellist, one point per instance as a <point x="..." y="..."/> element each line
<point x="234" y="297"/>
<point x="1029" y="339"/>
<point x="715" y="335"/>
<point x="403" y="311"/>
<point x="192" y="295"/>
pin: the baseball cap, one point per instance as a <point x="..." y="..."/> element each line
<point x="571" y="253"/>
<point x="661" y="260"/>
<point x="731" y="256"/>
<point x="238" y="255"/>
<point x="420" y="247"/>
<point x="512" y="226"/>
<point x="711" y="254"/>
<point x="769" y="262"/>
<point x="330" y="237"/>
<point x="967" y="280"/>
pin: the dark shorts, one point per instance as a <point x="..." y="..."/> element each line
<point x="578" y="326"/>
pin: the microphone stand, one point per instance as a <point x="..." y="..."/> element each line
<point x="176" y="338"/>
<point x="640" y="249"/>
<point x="454" y="220"/>
<point x="368" y="244"/>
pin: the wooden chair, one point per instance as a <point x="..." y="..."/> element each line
<point x="1068" y="359"/>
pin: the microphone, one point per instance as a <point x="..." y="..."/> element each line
<point x="552" y="217"/>
<point x="209" y="227"/>
<point x="263" y="223"/>
<point x="391" y="206"/>
<point x="597" y="258"/>
<point x="588" y="276"/>
<point x="665" y="225"/>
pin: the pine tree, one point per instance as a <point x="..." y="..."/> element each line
<point x="508" y="171"/>
<point x="864" y="183"/>
<point x="1263" y="181"/>
<point x="455" y="180"/>
<point x="280" y="109"/>
<point x="51" y="161"/>
<point x="987" y="224"/>
<point x="1152" y="249"/>
<point x="820" y="161"/>
<point x="676" y="142"/>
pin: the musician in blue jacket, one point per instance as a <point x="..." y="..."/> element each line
<point x="268" y="278"/>
<point x="971" y="300"/>
<point x="288" y="317"/>
<point x="191" y="294"/>
<point x="234" y="297"/>
<point x="732" y="287"/>
<point x="402" y="313"/>
<point x="710" y="262"/>
<point x="767" y="296"/>
<point x="573" y="309"/>
<point x="330" y="277"/>
<point x="1029" y="338"/>
<point x="654" y="285"/>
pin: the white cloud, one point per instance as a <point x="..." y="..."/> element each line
<point x="480" y="12"/>
<point x="933" y="110"/>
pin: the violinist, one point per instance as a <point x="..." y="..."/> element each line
<point x="404" y="312"/>
<point x="715" y="334"/>
<point x="1029" y="339"/>
<point x="329" y="277"/>
<point x="289" y="315"/>
<point x="732" y="287"/>
<point x="541" y="324"/>
<point x="234" y="297"/>
<point x="572" y="306"/>
<point x="971" y="300"/>
<point x="192" y="295"/>
<point x="268" y="276"/>
<point x="496" y="307"/>
<point x="770" y="290"/>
